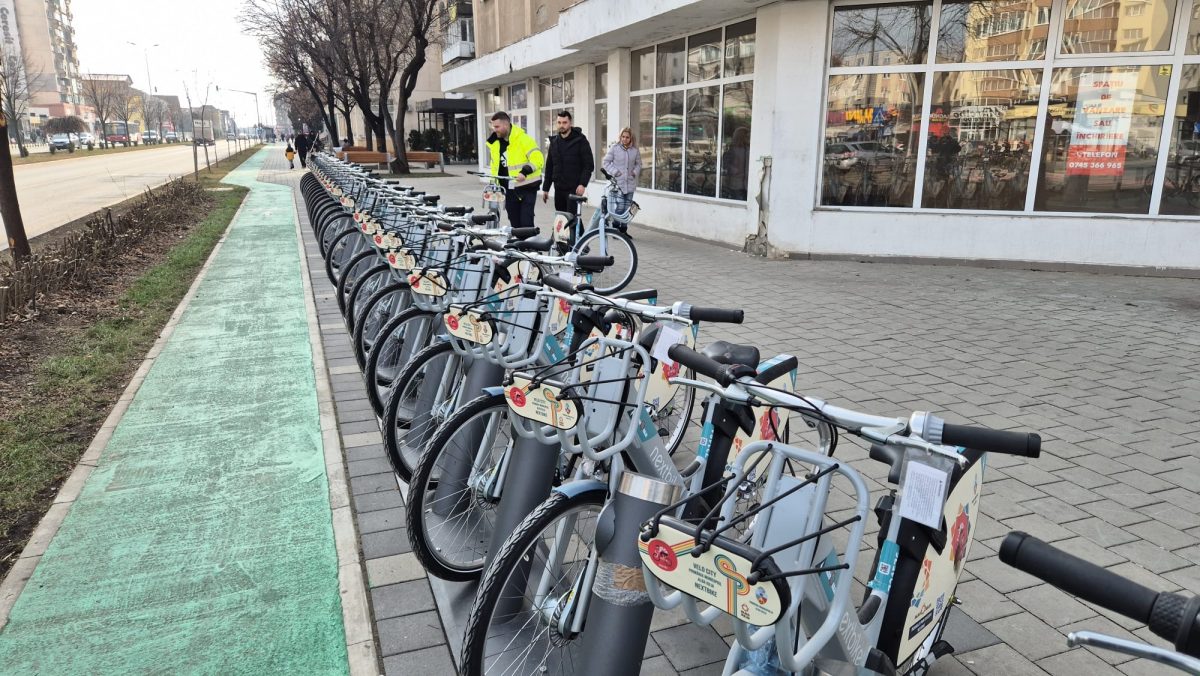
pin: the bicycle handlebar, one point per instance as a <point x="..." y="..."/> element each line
<point x="716" y="314"/>
<point x="724" y="374"/>
<point x="1174" y="617"/>
<point x="1027" y="444"/>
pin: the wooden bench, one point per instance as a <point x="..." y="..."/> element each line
<point x="364" y="157"/>
<point x="429" y="158"/>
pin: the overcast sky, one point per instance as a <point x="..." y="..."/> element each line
<point x="198" y="42"/>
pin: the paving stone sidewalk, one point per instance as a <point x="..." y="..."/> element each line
<point x="1103" y="366"/>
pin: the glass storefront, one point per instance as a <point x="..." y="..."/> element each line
<point x="690" y="111"/>
<point x="1015" y="105"/>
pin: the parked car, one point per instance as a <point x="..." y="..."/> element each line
<point x="64" y="141"/>
<point x="170" y="137"/>
<point x="840" y="155"/>
<point x="86" y="139"/>
<point x="150" y="137"/>
<point x="205" y="142"/>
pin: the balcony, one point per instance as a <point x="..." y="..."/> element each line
<point x="459" y="50"/>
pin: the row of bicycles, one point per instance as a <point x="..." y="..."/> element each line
<point x="576" y="449"/>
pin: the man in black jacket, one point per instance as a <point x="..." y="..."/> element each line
<point x="569" y="164"/>
<point x="303" y="145"/>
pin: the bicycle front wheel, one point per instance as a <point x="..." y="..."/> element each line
<point x="625" y="258"/>
<point x="425" y="393"/>
<point x="514" y="629"/>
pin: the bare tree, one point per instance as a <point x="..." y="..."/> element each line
<point x="425" y="22"/>
<point x="102" y="96"/>
<point x="154" y="112"/>
<point x="10" y="206"/>
<point x="15" y="74"/>
<point x="124" y="106"/>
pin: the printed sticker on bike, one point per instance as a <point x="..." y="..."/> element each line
<point x="660" y="392"/>
<point x="472" y="326"/>
<point x="562" y="227"/>
<point x="717" y="577"/>
<point x="939" y="573"/>
<point x="542" y="403"/>
<point x="427" y="283"/>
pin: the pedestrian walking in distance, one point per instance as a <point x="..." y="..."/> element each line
<point x="303" y="145"/>
<point x="512" y="152"/>
<point x="569" y="164"/>
<point x="290" y="154"/>
<point x="623" y="161"/>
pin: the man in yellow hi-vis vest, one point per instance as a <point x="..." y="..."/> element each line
<point x="515" y="153"/>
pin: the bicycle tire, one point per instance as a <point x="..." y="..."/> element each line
<point x="422" y="484"/>
<point x="330" y="232"/>
<point x="360" y="339"/>
<point x="365" y="287"/>
<point x="345" y="285"/>
<point x="332" y="270"/>
<point x="395" y="446"/>
<point x="371" y="374"/>
<point x="505" y="564"/>
<point x="603" y="287"/>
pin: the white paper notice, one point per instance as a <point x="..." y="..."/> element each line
<point x="923" y="494"/>
<point x="667" y="337"/>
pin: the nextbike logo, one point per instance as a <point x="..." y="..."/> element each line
<point x="853" y="640"/>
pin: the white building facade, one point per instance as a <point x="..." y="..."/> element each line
<point x="1045" y="132"/>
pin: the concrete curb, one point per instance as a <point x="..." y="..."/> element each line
<point x="14" y="583"/>
<point x="361" y="649"/>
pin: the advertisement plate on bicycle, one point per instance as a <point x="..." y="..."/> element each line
<point x="562" y="227"/>
<point x="542" y="403"/>
<point x="428" y="283"/>
<point x="717" y="577"/>
<point x="470" y="326"/>
<point x="401" y="259"/>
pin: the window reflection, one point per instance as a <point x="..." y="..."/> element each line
<point x="981" y="131"/>
<point x="601" y="142"/>
<point x="739" y="49"/>
<point x="1181" y="185"/>
<point x="704" y="56"/>
<point x="701" y="155"/>
<point x="1101" y="139"/>
<point x="976" y="32"/>
<point x="668" y="141"/>
<point x="1105" y="26"/>
<point x="641" y="121"/>
<point x="870" y="153"/>
<point x="642" y="63"/>
<point x="602" y="81"/>
<point x="879" y="35"/>
<point x="735" y="139"/>
<point x="671" y="63"/>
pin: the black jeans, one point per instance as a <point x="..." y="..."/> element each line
<point x="303" y="158"/>
<point x="562" y="201"/>
<point x="519" y="204"/>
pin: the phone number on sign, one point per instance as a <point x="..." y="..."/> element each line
<point x="1095" y="165"/>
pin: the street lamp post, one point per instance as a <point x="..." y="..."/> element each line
<point x="257" y="117"/>
<point x="149" y="82"/>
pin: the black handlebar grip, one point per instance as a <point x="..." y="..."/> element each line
<point x="558" y="283"/>
<point x="716" y="314"/>
<point x="1078" y="577"/>
<point x="774" y="371"/>
<point x="457" y="211"/>
<point x="640" y="294"/>
<point x="494" y="244"/>
<point x="483" y="219"/>
<point x="524" y="233"/>
<point x="700" y="364"/>
<point x="431" y="199"/>
<point x="595" y="263"/>
<point x="1026" y="444"/>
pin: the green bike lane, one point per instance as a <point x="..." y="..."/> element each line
<point x="203" y="540"/>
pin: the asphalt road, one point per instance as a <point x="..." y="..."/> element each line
<point x="58" y="192"/>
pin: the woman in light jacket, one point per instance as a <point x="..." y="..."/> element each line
<point x="624" y="162"/>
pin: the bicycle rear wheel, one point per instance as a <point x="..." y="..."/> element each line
<point x="424" y="394"/>
<point x="397" y="342"/>
<point x="511" y="630"/>
<point x="625" y="258"/>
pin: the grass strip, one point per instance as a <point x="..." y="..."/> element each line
<point x="76" y="385"/>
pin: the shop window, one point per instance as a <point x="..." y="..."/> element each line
<point x="704" y="56"/>
<point x="600" y="139"/>
<point x="1100" y="144"/>
<point x="641" y="121"/>
<point x="700" y="173"/>
<point x="668" y="141"/>
<point x="602" y="81"/>
<point x="735" y="139"/>
<point x="864" y="35"/>
<point x="642" y="62"/>
<point x="670" y="63"/>
<point x="982" y="128"/>
<point x="1181" y="184"/>
<point x="973" y="31"/>
<point x="518" y="97"/>
<point x="1091" y="26"/>
<point x="870" y="149"/>
<point x="739" y="49"/>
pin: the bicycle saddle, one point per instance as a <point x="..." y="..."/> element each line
<point x="730" y="353"/>
<point x="533" y="244"/>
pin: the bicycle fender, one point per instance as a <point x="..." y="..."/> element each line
<point x="493" y="391"/>
<point x="574" y="488"/>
